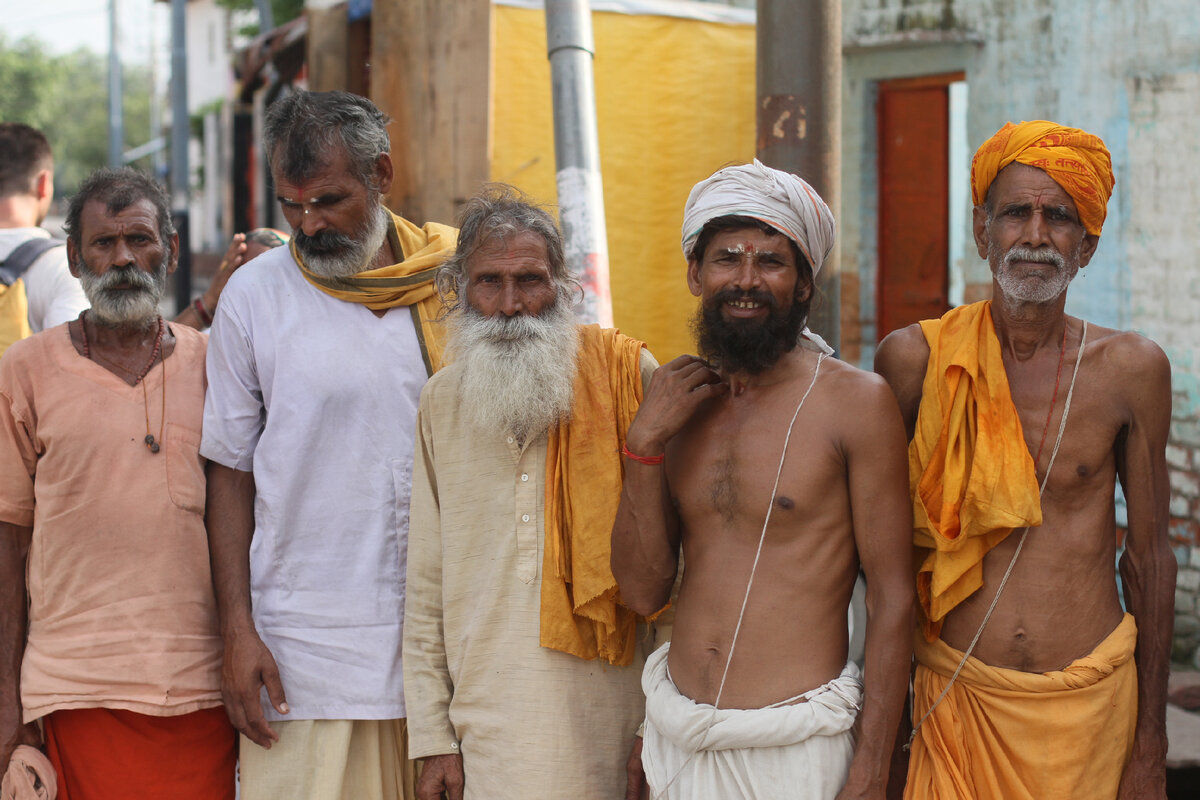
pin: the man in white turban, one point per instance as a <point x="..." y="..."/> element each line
<point x="780" y="470"/>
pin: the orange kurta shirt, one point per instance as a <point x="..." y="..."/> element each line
<point x="121" y="613"/>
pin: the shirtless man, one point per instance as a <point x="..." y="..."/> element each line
<point x="1059" y="649"/>
<point x="759" y="699"/>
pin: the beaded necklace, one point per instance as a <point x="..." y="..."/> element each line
<point x="152" y="444"/>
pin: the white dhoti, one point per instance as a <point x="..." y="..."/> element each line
<point x="798" y="751"/>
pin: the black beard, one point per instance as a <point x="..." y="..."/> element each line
<point x="746" y="345"/>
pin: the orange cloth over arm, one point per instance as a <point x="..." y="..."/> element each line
<point x="581" y="612"/>
<point x="1077" y="161"/>
<point x="971" y="477"/>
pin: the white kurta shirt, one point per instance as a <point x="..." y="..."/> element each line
<point x="318" y="398"/>
<point x="528" y="721"/>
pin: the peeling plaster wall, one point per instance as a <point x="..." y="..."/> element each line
<point x="1127" y="70"/>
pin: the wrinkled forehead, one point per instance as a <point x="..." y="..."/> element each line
<point x="100" y="214"/>
<point x="525" y="248"/>
<point x="1028" y="185"/>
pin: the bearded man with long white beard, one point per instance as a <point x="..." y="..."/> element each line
<point x="317" y="358"/>
<point x="521" y="665"/>
<point x="1032" y="680"/>
<point x="108" y="624"/>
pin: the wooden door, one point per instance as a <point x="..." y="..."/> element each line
<point x="914" y="201"/>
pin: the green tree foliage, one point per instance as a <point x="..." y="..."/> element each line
<point x="66" y="97"/>
<point x="281" y="10"/>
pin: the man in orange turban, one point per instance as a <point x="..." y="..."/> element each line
<point x="1021" y="418"/>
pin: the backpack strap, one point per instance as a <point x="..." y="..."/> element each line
<point x="19" y="260"/>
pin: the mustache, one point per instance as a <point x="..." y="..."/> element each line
<point x="1041" y="255"/>
<point x="753" y="295"/>
<point x="126" y="274"/>
<point x="322" y="243"/>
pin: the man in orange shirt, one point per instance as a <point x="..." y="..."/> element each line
<point x="108" y="625"/>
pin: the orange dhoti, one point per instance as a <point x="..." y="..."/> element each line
<point x="103" y="753"/>
<point x="1002" y="733"/>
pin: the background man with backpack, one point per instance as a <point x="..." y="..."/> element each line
<point x="37" y="290"/>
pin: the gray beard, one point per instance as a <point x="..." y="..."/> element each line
<point x="518" y="373"/>
<point x="136" y="307"/>
<point x="1030" y="289"/>
<point x="357" y="252"/>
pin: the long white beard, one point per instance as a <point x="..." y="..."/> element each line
<point x="1028" y="288"/>
<point x="518" y="373"/>
<point x="112" y="307"/>
<point x="353" y="254"/>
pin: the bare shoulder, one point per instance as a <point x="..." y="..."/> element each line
<point x="902" y="359"/>
<point x="1126" y="359"/>
<point x="863" y="399"/>
<point x="903" y="355"/>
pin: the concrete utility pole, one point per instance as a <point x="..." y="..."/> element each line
<point x="800" y="116"/>
<point x="116" y="126"/>
<point x="179" y="152"/>
<point x="577" y="153"/>
<point x="266" y="22"/>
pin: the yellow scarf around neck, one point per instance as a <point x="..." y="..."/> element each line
<point x="408" y="283"/>
<point x="581" y="610"/>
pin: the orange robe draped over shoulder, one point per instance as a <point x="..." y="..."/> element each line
<point x="971" y="477"/>
<point x="581" y="612"/>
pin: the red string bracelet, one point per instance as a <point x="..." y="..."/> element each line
<point x="205" y="317"/>
<point x="648" y="460"/>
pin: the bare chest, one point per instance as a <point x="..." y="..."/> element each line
<point x="727" y="472"/>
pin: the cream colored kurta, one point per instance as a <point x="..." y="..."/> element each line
<point x="529" y="721"/>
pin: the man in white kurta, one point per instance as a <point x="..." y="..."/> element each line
<point x="491" y="709"/>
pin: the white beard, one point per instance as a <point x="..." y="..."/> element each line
<point x="518" y="373"/>
<point x="1031" y="288"/>
<point x="356" y="251"/>
<point x="124" y="307"/>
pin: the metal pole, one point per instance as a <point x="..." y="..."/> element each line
<point x="116" y="128"/>
<point x="800" y="116"/>
<point x="266" y="22"/>
<point x="179" y="152"/>
<point x="577" y="154"/>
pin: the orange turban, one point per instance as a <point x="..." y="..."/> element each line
<point x="1076" y="160"/>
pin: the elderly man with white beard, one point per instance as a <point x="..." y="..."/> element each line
<point x="521" y="665"/>
<point x="108" y="624"/>
<point x="317" y="357"/>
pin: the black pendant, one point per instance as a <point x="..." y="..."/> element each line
<point x="150" y="443"/>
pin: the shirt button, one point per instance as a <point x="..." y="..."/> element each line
<point x="524" y="518"/>
<point x="524" y="476"/>
<point x="510" y="440"/>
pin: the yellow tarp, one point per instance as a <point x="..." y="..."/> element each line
<point x="674" y="102"/>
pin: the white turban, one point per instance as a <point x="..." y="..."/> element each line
<point x="773" y="196"/>
<point x="778" y="198"/>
